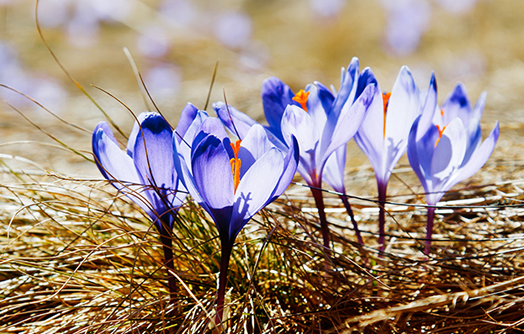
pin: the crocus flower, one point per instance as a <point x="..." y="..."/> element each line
<point x="145" y="171"/>
<point x="383" y="136"/>
<point x="232" y="181"/>
<point x="445" y="145"/>
<point x="323" y="125"/>
<point x="325" y="112"/>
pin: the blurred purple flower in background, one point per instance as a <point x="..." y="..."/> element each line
<point x="6" y="2"/>
<point x="407" y="21"/>
<point x="153" y="41"/>
<point x="81" y="18"/>
<point x="327" y="8"/>
<point x="182" y="12"/>
<point x="457" y="6"/>
<point x="445" y="145"/>
<point x="163" y="81"/>
<point x="42" y="88"/>
<point x="233" y="29"/>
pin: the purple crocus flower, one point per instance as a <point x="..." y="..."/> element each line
<point x="445" y="145"/>
<point x="231" y="181"/>
<point x="323" y="126"/>
<point x="145" y="172"/>
<point x="328" y="111"/>
<point x="383" y="136"/>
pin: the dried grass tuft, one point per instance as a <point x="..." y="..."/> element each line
<point x="78" y="258"/>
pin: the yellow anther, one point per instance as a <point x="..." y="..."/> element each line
<point x="440" y="132"/>
<point x="301" y="98"/>
<point x="385" y="100"/>
<point x="235" y="163"/>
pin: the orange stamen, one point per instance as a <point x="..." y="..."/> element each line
<point x="440" y="132"/>
<point x="235" y="164"/>
<point x="385" y="100"/>
<point x="301" y="98"/>
<point x="442" y="112"/>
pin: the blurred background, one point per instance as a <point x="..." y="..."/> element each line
<point x="176" y="44"/>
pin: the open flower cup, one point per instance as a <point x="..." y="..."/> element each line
<point x="232" y="181"/>
<point x="445" y="145"/>
<point x="322" y="121"/>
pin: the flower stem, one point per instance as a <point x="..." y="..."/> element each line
<point x="319" y="201"/>
<point x="352" y="216"/>
<point x="382" y="217"/>
<point x="429" y="230"/>
<point x="167" y="245"/>
<point x="222" y="280"/>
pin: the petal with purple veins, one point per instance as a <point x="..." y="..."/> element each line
<point x="350" y="120"/>
<point x="276" y="96"/>
<point x="457" y="105"/>
<point x="253" y="146"/>
<point x="236" y="121"/>
<point x="447" y="157"/>
<point x="333" y="173"/>
<point x="480" y="156"/>
<point x="290" y="168"/>
<point x="116" y="165"/>
<point x="256" y="188"/>
<point x="212" y="173"/>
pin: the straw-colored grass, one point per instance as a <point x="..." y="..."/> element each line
<point x="77" y="257"/>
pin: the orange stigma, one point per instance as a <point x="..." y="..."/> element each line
<point x="440" y="132"/>
<point x="235" y="163"/>
<point x="385" y="100"/>
<point x="442" y="112"/>
<point x="301" y="98"/>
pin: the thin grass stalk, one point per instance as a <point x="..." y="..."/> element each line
<point x="352" y="216"/>
<point x="429" y="229"/>
<point x="319" y="201"/>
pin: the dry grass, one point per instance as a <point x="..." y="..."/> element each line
<point x="78" y="258"/>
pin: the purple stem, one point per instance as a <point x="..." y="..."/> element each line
<point x="319" y="201"/>
<point x="167" y="245"/>
<point x="352" y="216"/>
<point x="382" y="189"/>
<point x="429" y="230"/>
<point x="222" y="280"/>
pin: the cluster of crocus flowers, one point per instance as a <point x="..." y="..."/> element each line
<point x="445" y="145"/>
<point x="383" y="136"/>
<point x="322" y="121"/>
<point x="232" y="181"/>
